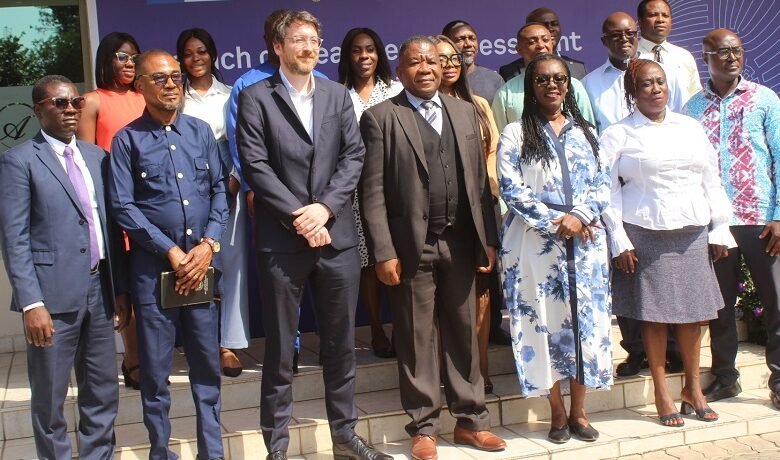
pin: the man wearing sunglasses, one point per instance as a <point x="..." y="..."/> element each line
<point x="742" y="119"/>
<point x="620" y="37"/>
<point x="167" y="191"/>
<point x="65" y="262"/>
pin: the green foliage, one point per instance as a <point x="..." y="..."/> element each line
<point x="21" y="67"/>
<point x="749" y="307"/>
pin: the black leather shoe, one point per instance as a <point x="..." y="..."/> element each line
<point x="357" y="448"/>
<point x="632" y="365"/>
<point x="717" y="391"/>
<point x="674" y="362"/>
<point x="559" y="435"/>
<point x="775" y="399"/>
<point x="277" y="455"/>
<point x="500" y="337"/>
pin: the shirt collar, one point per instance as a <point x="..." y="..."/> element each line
<point x="639" y="119"/>
<point x="416" y="101"/>
<point x="741" y="87"/>
<point x="57" y="145"/>
<point x="647" y="45"/>
<point x="291" y="89"/>
<point x="217" y="87"/>
<point x="157" y="129"/>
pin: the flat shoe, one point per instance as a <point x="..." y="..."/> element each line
<point x="583" y="432"/>
<point x="665" y="419"/>
<point x="559" y="435"/>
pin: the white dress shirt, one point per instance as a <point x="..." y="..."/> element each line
<point x="677" y="59"/>
<point x="607" y="94"/>
<point x="211" y="107"/>
<point x="303" y="103"/>
<point x="437" y="107"/>
<point x="59" y="149"/>
<point x="671" y="179"/>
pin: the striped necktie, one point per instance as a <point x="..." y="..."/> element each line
<point x="429" y="112"/>
<point x="657" y="54"/>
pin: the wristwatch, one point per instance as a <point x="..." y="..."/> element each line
<point x="215" y="246"/>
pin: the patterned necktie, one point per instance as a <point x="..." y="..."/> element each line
<point x="77" y="179"/>
<point x="657" y="54"/>
<point x="429" y="112"/>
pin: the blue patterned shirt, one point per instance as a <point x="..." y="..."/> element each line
<point x="744" y="127"/>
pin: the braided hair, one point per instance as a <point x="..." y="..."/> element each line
<point x="535" y="146"/>
<point x="629" y="80"/>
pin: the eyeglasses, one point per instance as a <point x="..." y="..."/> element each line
<point x="724" y="53"/>
<point x="543" y="80"/>
<point x="160" y="79"/>
<point x="124" y="57"/>
<point x="456" y="60"/>
<point x="299" y="41"/>
<point x="62" y="102"/>
<point x="617" y="36"/>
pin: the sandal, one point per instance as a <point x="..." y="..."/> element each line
<point x="687" y="409"/>
<point x="666" y="419"/>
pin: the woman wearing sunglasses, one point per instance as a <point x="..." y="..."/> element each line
<point x="454" y="83"/>
<point x="553" y="249"/>
<point x="109" y="108"/>
<point x="205" y="97"/>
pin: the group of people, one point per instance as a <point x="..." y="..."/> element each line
<point x="614" y="194"/>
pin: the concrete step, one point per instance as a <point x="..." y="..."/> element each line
<point x="625" y="416"/>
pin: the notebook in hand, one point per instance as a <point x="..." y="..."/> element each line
<point x="169" y="298"/>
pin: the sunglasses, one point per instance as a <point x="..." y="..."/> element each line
<point x="618" y="36"/>
<point x="160" y="79"/>
<point x="62" y="103"/>
<point x="543" y="80"/>
<point x="124" y="57"/>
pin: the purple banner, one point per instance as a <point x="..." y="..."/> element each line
<point x="237" y="26"/>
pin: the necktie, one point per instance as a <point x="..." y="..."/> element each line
<point x="429" y="112"/>
<point x="77" y="179"/>
<point x="657" y="54"/>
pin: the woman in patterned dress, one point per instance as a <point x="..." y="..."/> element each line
<point x="554" y="253"/>
<point x="365" y="70"/>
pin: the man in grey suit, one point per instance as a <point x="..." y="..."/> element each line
<point x="301" y="153"/>
<point x="429" y="223"/>
<point x="65" y="267"/>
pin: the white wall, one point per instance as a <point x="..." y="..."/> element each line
<point x="10" y="321"/>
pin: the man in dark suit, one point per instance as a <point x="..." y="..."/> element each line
<point x="429" y="222"/>
<point x="65" y="264"/>
<point x="167" y="191"/>
<point x="301" y="153"/>
<point x="549" y="19"/>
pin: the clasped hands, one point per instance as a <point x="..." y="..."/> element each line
<point x="569" y="226"/>
<point x="190" y="267"/>
<point x="310" y="223"/>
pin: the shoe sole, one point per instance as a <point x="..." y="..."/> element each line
<point x="497" y="449"/>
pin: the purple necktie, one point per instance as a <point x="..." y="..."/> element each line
<point x="77" y="179"/>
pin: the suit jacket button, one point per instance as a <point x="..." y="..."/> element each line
<point x="83" y="250"/>
<point x="425" y="217"/>
<point x="81" y="221"/>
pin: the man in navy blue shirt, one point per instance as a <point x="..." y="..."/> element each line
<point x="167" y="191"/>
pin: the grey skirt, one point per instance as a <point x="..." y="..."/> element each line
<point x="674" y="281"/>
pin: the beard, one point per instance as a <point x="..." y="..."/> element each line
<point x="468" y="60"/>
<point x="301" y="67"/>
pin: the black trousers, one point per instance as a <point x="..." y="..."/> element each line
<point x="334" y="280"/>
<point x="765" y="271"/>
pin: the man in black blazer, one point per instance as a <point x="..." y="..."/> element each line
<point x="549" y="19"/>
<point x="430" y="226"/>
<point x="65" y="262"/>
<point x="301" y="153"/>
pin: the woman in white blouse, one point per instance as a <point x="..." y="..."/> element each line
<point x="205" y="97"/>
<point x="365" y="70"/>
<point x="667" y="222"/>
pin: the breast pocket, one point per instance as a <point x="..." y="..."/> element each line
<point x="150" y="185"/>
<point x="202" y="175"/>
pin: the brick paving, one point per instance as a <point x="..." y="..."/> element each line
<point x="753" y="447"/>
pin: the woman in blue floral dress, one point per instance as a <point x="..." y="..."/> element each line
<point x="554" y="252"/>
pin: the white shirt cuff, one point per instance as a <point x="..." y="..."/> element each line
<point x="31" y="306"/>
<point x="721" y="234"/>
<point x="618" y="241"/>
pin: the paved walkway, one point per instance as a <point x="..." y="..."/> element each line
<point x="752" y="447"/>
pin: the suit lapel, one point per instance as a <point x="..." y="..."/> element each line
<point x="281" y="92"/>
<point x="49" y="158"/>
<point x="404" y="112"/>
<point x="461" y="128"/>
<point x="319" y="104"/>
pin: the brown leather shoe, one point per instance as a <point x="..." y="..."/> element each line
<point x="482" y="440"/>
<point x="424" y="447"/>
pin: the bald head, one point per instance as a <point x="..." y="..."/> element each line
<point x="142" y="63"/>
<point x="620" y="38"/>
<point x="715" y="38"/>
<point x="618" y="19"/>
<point x="725" y="58"/>
<point x="550" y="20"/>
